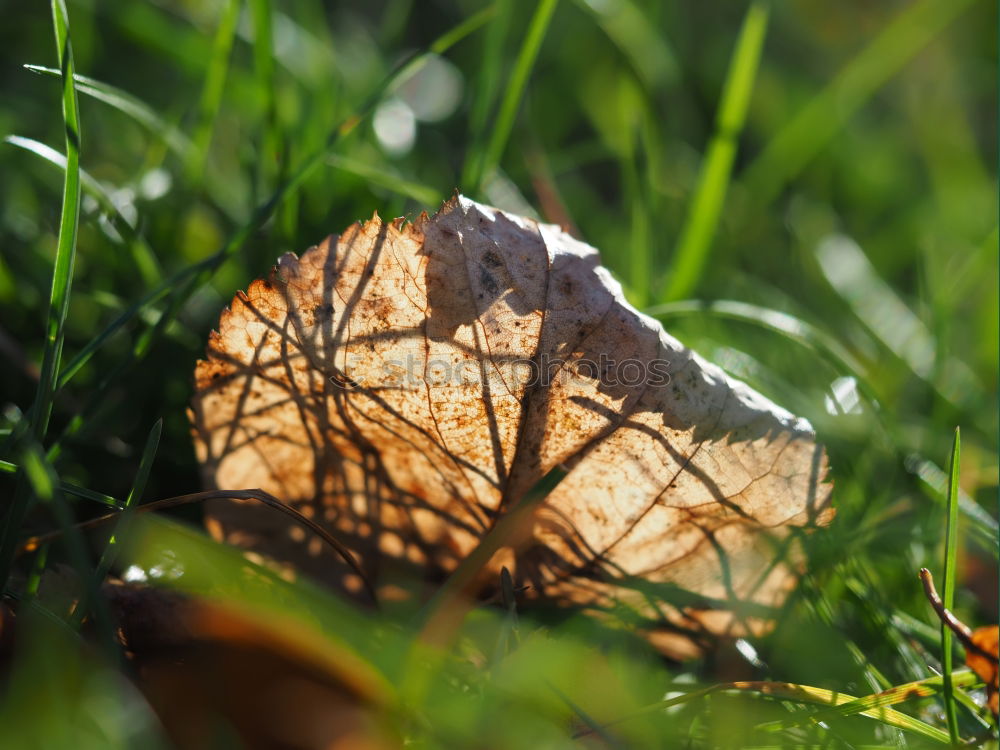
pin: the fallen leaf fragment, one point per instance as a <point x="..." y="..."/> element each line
<point x="987" y="640"/>
<point x="209" y="668"/>
<point x="407" y="384"/>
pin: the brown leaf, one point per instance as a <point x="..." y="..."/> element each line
<point x="210" y="668"/>
<point x="987" y="639"/>
<point x="408" y="384"/>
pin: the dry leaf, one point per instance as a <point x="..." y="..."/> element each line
<point x="408" y="384"/>
<point x="211" y="670"/>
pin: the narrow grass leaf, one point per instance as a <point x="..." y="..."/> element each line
<point x="593" y="725"/>
<point x="35" y="573"/>
<point x="121" y="524"/>
<point x="62" y="278"/>
<point x="44" y="485"/>
<point x="948" y="585"/>
<point x="130" y="106"/>
<point x="268" y="156"/>
<point x="514" y="91"/>
<point x="148" y="265"/>
<point x="138" y="487"/>
<point x="460" y="31"/>
<point x="702" y="221"/>
<point x="484" y="95"/>
<point x="62" y="274"/>
<point x="869" y="705"/>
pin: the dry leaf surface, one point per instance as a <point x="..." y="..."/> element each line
<point x="408" y="384"/>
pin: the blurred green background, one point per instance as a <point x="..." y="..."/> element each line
<point x="804" y="192"/>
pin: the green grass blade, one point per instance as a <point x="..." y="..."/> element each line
<point x="948" y="585"/>
<point x="213" y="89"/>
<point x="62" y="274"/>
<point x="869" y="705"/>
<point x="268" y="156"/>
<point x="145" y="258"/>
<point x="982" y="527"/>
<point x="460" y="31"/>
<point x="87" y="494"/>
<point x="9" y="467"/>
<point x="130" y="106"/>
<point x="639" y="40"/>
<point x="782" y="323"/>
<point x="808" y="133"/>
<point x="62" y="278"/>
<point x="138" y="484"/>
<point x="702" y="221"/>
<point x="514" y="91"/>
<point x="121" y="524"/>
<point x="484" y="95"/>
<point x="383" y="175"/>
<point x="127" y="315"/>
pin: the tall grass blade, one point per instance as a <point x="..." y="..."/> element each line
<point x="384" y="176"/>
<point x="484" y="96"/>
<point x="135" y="494"/>
<point x="121" y="525"/>
<point x="268" y="156"/>
<point x="948" y="586"/>
<point x="702" y="221"/>
<point x="9" y="467"/>
<point x="795" y="329"/>
<point x="62" y="279"/>
<point x="62" y="274"/>
<point x="514" y="91"/>
<point x="459" y="32"/>
<point x="888" y="316"/>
